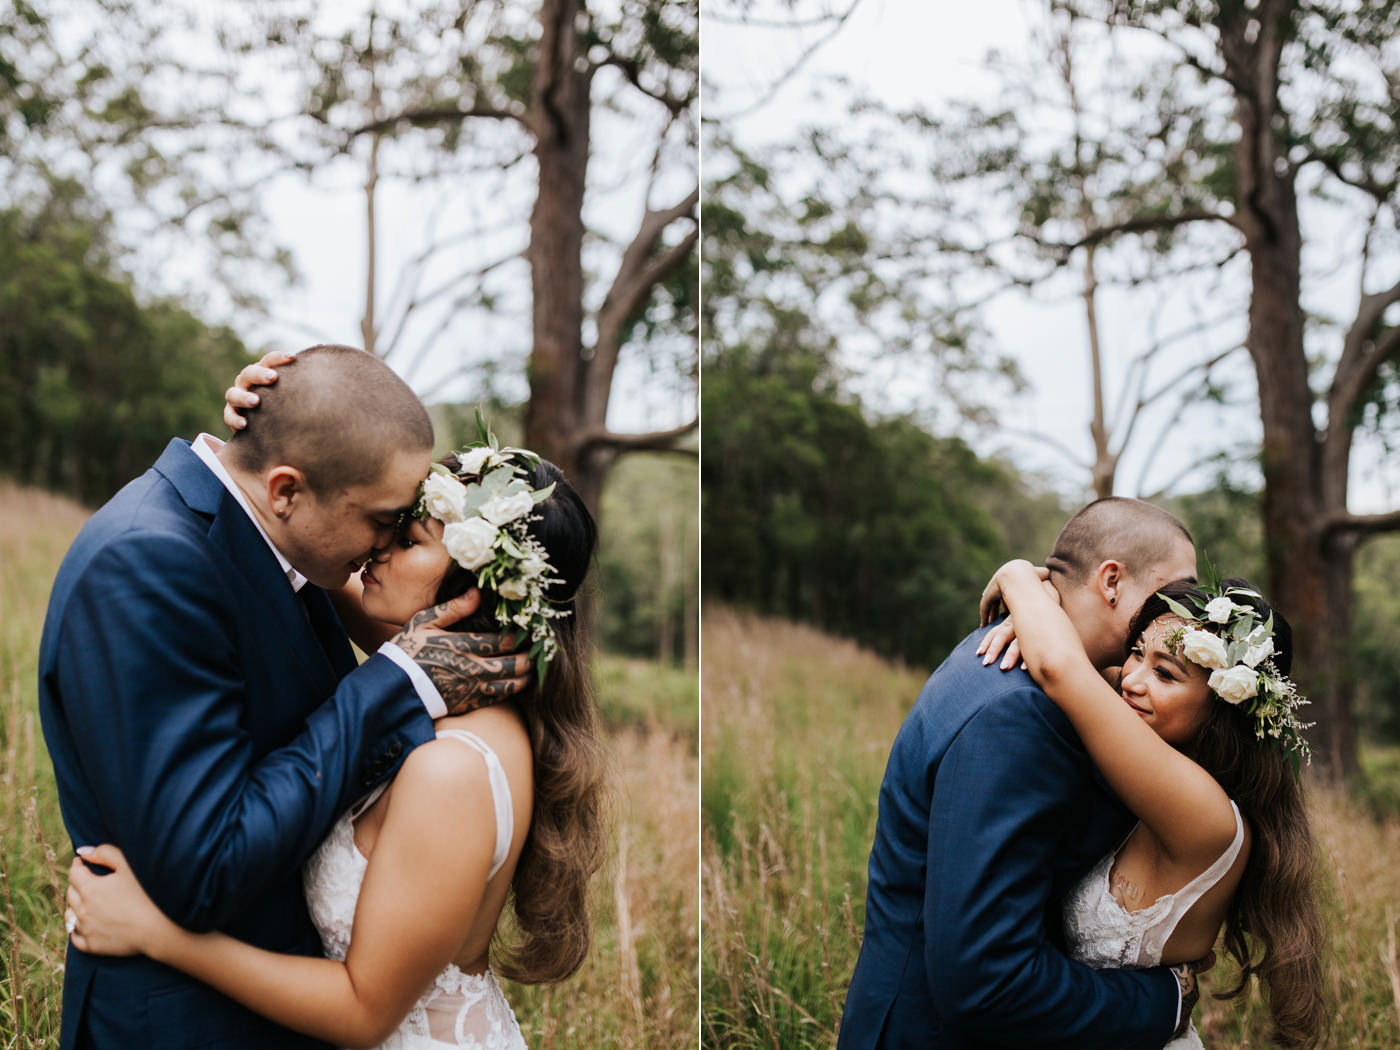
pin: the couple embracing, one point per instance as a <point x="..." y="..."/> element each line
<point x="1065" y="830"/>
<point x="333" y="844"/>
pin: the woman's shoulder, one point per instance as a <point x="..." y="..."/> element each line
<point x="450" y="761"/>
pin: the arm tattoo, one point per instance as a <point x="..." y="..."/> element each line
<point x="1190" y="992"/>
<point x="466" y="678"/>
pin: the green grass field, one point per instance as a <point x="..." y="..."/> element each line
<point x="638" y="990"/>
<point x="796" y="731"/>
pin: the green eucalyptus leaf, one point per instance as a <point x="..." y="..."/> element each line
<point x="1177" y="608"/>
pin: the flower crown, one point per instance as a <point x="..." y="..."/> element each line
<point x="485" y="510"/>
<point x="1232" y="642"/>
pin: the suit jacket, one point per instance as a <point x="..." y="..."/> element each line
<point x="989" y="810"/>
<point x="213" y="725"/>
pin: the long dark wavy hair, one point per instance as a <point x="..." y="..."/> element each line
<point x="1273" y="927"/>
<point x="565" y="845"/>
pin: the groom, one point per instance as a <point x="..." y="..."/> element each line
<point x="989" y="811"/>
<point x="201" y="702"/>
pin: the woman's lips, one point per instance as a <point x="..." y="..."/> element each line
<point x="1139" y="710"/>
<point x="367" y="576"/>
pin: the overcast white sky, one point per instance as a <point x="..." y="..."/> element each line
<point x="927" y="52"/>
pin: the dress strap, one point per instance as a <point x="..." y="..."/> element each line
<point x="500" y="794"/>
<point x="1194" y="890"/>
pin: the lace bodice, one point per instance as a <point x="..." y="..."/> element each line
<point x="460" y="1009"/>
<point x="1102" y="933"/>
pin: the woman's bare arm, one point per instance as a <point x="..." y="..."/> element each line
<point x="1180" y="803"/>
<point x="421" y="892"/>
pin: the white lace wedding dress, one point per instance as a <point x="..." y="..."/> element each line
<point x="1105" y="935"/>
<point x="460" y="1009"/>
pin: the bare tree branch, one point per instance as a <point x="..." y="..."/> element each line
<point x="1363" y="353"/>
<point x="639" y="273"/>
<point x="442" y="289"/>
<point x="656" y="441"/>
<point x="1143" y="224"/>
<point x="1360" y="524"/>
<point x="428" y="116"/>
<point x="1380" y="191"/>
<point x="836" y="22"/>
<point x="632" y="70"/>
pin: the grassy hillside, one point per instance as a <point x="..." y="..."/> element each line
<point x="636" y="991"/>
<point x="796" y="732"/>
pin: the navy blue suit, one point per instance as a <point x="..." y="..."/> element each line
<point x="213" y="725"/>
<point x="990" y="809"/>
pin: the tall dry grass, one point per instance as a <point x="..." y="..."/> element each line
<point x="638" y="988"/>
<point x="796" y="731"/>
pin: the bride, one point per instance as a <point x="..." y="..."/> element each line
<point x="408" y="888"/>
<point x="1201" y="741"/>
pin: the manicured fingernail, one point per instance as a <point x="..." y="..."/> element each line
<point x="83" y="851"/>
<point x="253" y="398"/>
<point x="986" y="659"/>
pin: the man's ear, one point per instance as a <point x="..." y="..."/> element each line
<point x="1110" y="579"/>
<point x="286" y="487"/>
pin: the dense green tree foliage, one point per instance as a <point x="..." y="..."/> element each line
<point x="877" y="531"/>
<point x="93" y="382"/>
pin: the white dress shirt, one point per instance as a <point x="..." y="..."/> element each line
<point x="206" y="447"/>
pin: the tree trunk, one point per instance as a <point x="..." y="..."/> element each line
<point x="557" y="413"/>
<point x="1309" y="573"/>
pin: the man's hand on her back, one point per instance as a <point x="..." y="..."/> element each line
<point x="1186" y="978"/>
<point x="470" y="670"/>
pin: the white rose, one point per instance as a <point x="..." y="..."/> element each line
<point x="1255" y="653"/>
<point x="445" y="498"/>
<point x="515" y="590"/>
<point x="1237" y="684"/>
<point x="1218" y="610"/>
<point x="474" y="459"/>
<point x="1204" y="649"/>
<point x="533" y="566"/>
<point x="470" y="542"/>
<point x="502" y="509"/>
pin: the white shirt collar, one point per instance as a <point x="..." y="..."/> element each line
<point x="206" y="447"/>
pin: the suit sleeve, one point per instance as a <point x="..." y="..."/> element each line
<point x="999" y="811"/>
<point x="154" y="698"/>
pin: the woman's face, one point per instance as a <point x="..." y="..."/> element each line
<point x="404" y="578"/>
<point x="1170" y="692"/>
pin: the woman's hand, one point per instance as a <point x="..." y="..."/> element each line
<point x="241" y="394"/>
<point x="111" y="914"/>
<point x="1003" y="635"/>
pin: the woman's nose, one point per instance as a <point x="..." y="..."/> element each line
<point x="1132" y="679"/>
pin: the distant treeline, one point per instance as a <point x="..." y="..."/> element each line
<point x="93" y="382"/>
<point x="877" y="531"/>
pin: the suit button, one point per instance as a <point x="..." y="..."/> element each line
<point x="395" y="748"/>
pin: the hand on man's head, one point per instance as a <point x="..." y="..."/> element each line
<point x="470" y="669"/>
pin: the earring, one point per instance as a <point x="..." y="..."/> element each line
<point x="1113" y="600"/>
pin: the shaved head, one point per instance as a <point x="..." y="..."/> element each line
<point x="1131" y="532"/>
<point x="337" y="414"/>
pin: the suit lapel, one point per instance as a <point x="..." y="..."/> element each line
<point x="288" y="625"/>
